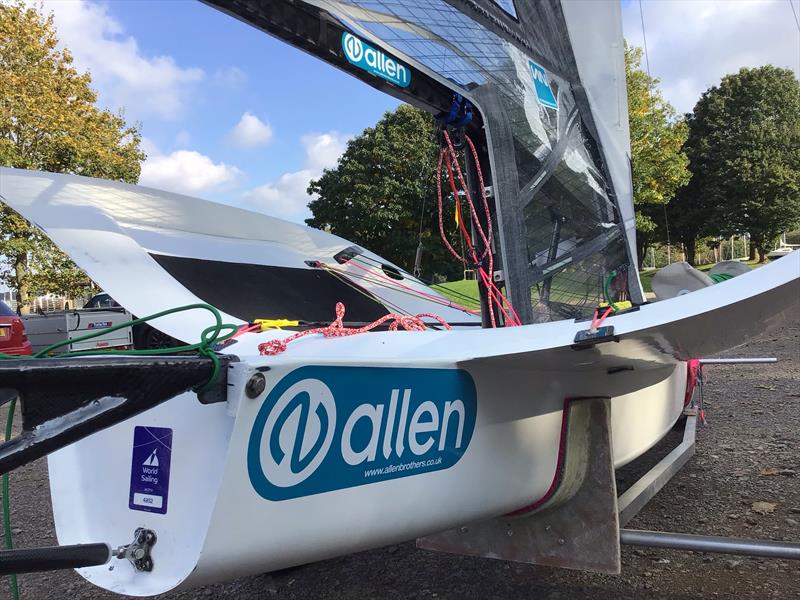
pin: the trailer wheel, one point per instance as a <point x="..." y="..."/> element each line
<point x="153" y="339"/>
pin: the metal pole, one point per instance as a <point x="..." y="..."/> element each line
<point x="708" y="543"/>
<point x="737" y="361"/>
<point x="640" y="493"/>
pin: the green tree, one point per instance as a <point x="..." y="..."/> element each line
<point x="744" y="148"/>
<point x="377" y="192"/>
<point x="49" y="122"/>
<point x="658" y="161"/>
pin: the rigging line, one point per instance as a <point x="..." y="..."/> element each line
<point x="366" y="279"/>
<point x="650" y="94"/>
<point x="794" y="12"/>
<point x="371" y="295"/>
<point x="379" y="299"/>
<point x="355" y="260"/>
<point x="644" y="38"/>
<point x="413" y="294"/>
<point x="431" y="297"/>
<point x="390" y="286"/>
<point x="416" y="279"/>
<point x="464" y="297"/>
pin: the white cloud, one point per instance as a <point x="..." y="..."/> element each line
<point x="324" y="149"/>
<point x="250" y="132"/>
<point x="143" y="85"/>
<point x="232" y="77"/>
<point x="184" y="171"/>
<point x="692" y="45"/>
<point x="287" y="197"/>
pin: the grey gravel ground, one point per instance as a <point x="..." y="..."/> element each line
<point x="748" y="453"/>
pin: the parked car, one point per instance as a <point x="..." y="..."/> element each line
<point x="144" y="336"/>
<point x="12" y="333"/>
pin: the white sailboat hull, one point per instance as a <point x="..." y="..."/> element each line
<point x="354" y="442"/>
<point x="218" y="526"/>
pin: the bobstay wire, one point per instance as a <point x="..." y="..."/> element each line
<point x="449" y="157"/>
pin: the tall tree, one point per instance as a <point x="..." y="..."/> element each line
<point x="383" y="186"/>
<point x="658" y="161"/>
<point x="744" y="147"/>
<point x="49" y="122"/>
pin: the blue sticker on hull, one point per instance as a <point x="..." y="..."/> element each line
<point x="152" y="451"/>
<point x="329" y="428"/>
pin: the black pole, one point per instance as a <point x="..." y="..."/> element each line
<point x="52" y="558"/>
<point x="552" y="253"/>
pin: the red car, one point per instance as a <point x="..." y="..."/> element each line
<point x="12" y="333"/>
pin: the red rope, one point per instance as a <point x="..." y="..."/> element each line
<point x="694" y="370"/>
<point x="448" y="157"/>
<point x="246" y="328"/>
<point x="337" y="329"/>
<point x="597" y="322"/>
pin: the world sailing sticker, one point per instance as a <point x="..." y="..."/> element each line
<point x="152" y="451"/>
<point x="543" y="92"/>
<point x="322" y="429"/>
<point x="374" y="61"/>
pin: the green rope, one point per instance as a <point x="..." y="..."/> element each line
<point x="205" y="347"/>
<point x="607" y="293"/>
<point x="218" y="332"/>
<point x="7" y="505"/>
<point x="720" y="277"/>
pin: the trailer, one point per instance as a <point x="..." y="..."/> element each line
<point x="46" y="329"/>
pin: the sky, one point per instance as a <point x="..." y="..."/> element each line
<point x="233" y="115"/>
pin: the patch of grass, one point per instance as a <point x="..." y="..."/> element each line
<point x="463" y="292"/>
<point x="456" y="290"/>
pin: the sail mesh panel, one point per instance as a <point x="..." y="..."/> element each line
<point x="561" y="228"/>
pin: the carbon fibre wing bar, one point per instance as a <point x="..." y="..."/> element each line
<point x="66" y="399"/>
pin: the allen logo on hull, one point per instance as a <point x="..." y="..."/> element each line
<point x="328" y="428"/>
<point x="374" y="61"/>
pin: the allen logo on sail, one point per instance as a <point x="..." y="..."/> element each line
<point x="374" y="61"/>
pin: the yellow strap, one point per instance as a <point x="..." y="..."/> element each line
<point x="275" y="323"/>
<point x="619" y="305"/>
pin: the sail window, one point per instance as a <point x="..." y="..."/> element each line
<point x="508" y="6"/>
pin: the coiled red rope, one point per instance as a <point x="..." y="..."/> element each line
<point x="448" y="157"/>
<point x="337" y="329"/>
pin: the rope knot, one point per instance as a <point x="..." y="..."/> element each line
<point x="337" y="329"/>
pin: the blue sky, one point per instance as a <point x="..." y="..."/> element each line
<point x="233" y="115"/>
<point x="191" y="74"/>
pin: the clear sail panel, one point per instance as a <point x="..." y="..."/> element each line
<point x="561" y="233"/>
